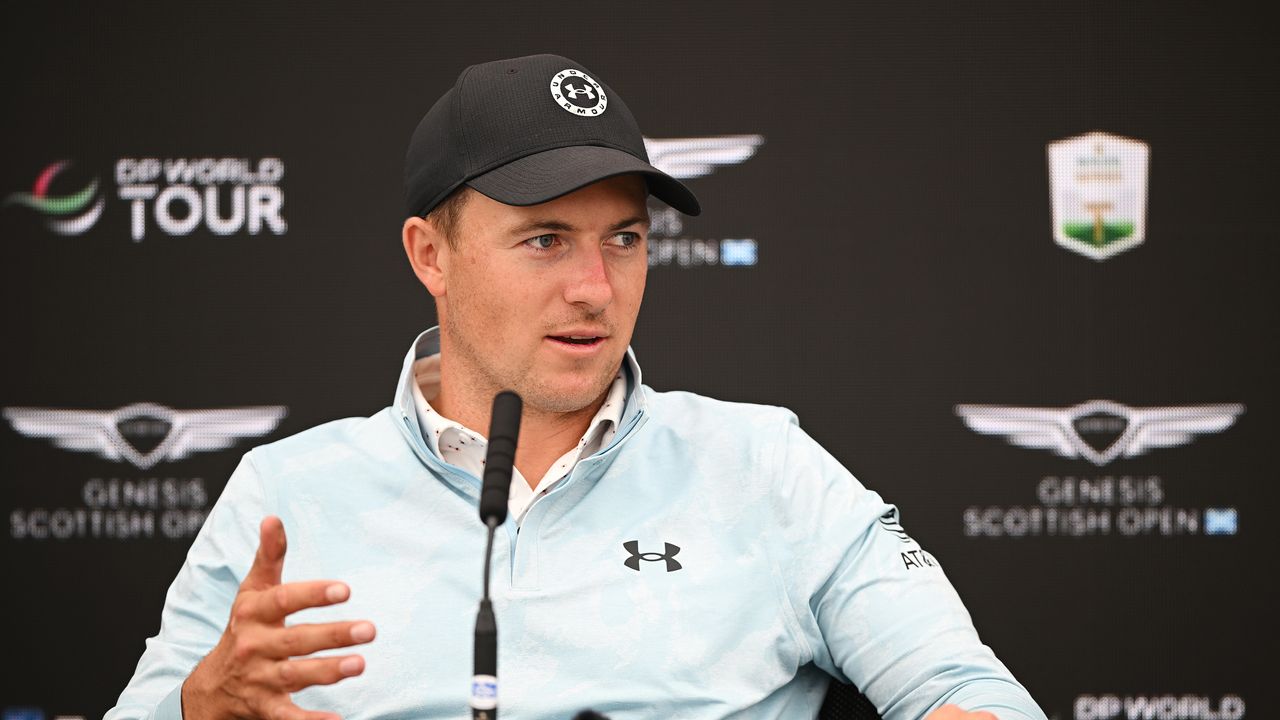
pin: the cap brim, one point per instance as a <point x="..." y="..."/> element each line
<point x="547" y="175"/>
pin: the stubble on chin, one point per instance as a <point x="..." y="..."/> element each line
<point x="481" y="378"/>
<point x="541" y="397"/>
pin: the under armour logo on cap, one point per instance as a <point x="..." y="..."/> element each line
<point x="633" y="562"/>
<point x="578" y="93"/>
<point x="525" y="131"/>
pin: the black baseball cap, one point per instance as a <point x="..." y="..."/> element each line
<point x="525" y="131"/>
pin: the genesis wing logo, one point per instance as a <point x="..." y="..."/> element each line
<point x="684" y="158"/>
<point x="1099" y="430"/>
<point x="144" y="433"/>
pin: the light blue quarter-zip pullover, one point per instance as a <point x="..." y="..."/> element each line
<point x="710" y="561"/>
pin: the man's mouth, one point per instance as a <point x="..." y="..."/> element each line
<point x="577" y="339"/>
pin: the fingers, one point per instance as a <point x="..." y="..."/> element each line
<point x="295" y="675"/>
<point x="305" y="639"/>
<point x="269" y="561"/>
<point x="286" y="710"/>
<point x="251" y="667"/>
<point x="274" y="604"/>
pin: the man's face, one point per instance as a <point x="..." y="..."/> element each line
<point x="543" y="299"/>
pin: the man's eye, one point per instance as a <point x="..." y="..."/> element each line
<point x="542" y="242"/>
<point x="626" y="239"/>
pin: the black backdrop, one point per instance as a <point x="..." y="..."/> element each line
<point x="904" y="263"/>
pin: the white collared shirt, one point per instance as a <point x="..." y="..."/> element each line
<point x="459" y="445"/>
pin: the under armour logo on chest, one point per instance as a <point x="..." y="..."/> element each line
<point x="633" y="562"/>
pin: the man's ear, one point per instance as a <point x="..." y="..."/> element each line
<point x="428" y="251"/>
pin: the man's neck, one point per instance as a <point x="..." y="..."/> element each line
<point x="544" y="437"/>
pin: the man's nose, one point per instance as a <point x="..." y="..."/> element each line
<point x="589" y="286"/>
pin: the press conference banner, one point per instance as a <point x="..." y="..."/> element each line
<point x="1015" y="266"/>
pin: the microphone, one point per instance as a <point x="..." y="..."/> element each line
<point x="504" y="428"/>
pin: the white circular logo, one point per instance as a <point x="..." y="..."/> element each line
<point x="577" y="93"/>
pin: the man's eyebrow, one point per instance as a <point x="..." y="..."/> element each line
<point x="553" y="225"/>
<point x="633" y="220"/>
<point x="561" y="226"/>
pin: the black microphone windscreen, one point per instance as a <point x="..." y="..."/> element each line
<point x="504" y="429"/>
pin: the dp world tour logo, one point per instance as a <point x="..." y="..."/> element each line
<point x="67" y="214"/>
<point x="144" y="433"/>
<point x="1099" y="430"/>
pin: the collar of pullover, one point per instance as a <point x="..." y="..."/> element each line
<point x="428" y="343"/>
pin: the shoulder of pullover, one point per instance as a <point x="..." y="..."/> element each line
<point x="693" y="413"/>
<point x="337" y="443"/>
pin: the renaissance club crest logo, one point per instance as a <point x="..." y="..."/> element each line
<point x="687" y="158"/>
<point x="1098" y="191"/>
<point x="1099" y="430"/>
<point x="578" y="93"/>
<point x="67" y="214"/>
<point x="144" y="434"/>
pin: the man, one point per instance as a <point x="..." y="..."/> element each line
<point x="666" y="555"/>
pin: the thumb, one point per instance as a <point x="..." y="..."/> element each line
<point x="269" y="561"/>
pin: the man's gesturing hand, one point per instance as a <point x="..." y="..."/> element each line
<point x="251" y="671"/>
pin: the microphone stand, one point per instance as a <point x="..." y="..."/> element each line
<point x="495" y="492"/>
<point x="504" y="428"/>
<point x="484" y="679"/>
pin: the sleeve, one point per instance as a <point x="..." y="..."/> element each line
<point x="875" y="608"/>
<point x="198" y="603"/>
